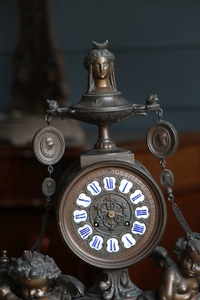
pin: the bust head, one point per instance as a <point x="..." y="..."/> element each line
<point x="100" y="65"/>
<point x="35" y="273"/>
<point x="188" y="251"/>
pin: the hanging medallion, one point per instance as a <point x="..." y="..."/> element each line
<point x="162" y="139"/>
<point x="48" y="145"/>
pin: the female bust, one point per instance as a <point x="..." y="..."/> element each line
<point x="100" y="65"/>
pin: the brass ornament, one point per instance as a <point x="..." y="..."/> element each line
<point x="162" y="139"/>
<point x="166" y="178"/>
<point x="48" y="186"/>
<point x="37" y="276"/>
<point x="110" y="211"/>
<point x="102" y="104"/>
<point x="48" y="145"/>
<point x="180" y="280"/>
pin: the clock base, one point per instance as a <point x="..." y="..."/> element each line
<point x="113" y="284"/>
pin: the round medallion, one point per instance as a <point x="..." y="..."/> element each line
<point x="162" y="139"/>
<point x="48" y="186"/>
<point x="48" y="145"/>
<point x="111" y="214"/>
<point x="166" y="178"/>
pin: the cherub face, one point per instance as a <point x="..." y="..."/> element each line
<point x="190" y="264"/>
<point x="101" y="68"/>
<point x="34" y="288"/>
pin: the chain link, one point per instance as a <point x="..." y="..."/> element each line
<point x="159" y="113"/>
<point x="48" y="119"/>
<point x="43" y="227"/>
<point x="50" y="170"/>
<point x="45" y="216"/>
<point x="163" y="163"/>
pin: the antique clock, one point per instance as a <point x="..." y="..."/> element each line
<point x="110" y="211"/>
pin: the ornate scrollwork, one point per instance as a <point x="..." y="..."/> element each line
<point x="111" y="213"/>
<point x="119" y="285"/>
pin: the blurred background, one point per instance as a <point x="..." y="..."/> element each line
<point x="42" y="48"/>
<point x="156" y="44"/>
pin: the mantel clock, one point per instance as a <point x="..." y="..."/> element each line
<point x="110" y="211"/>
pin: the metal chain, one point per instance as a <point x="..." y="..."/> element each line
<point x="44" y="219"/>
<point x="166" y="178"/>
<point x="181" y="218"/>
<point x="50" y="170"/>
<point x="159" y="113"/>
<point x="163" y="163"/>
<point x="43" y="226"/>
<point x="48" y="119"/>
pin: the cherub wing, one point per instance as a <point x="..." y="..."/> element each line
<point x="71" y="286"/>
<point x="162" y="258"/>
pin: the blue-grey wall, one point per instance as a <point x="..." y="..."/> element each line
<point x="156" y="44"/>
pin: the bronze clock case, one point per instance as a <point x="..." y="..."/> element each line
<point x="111" y="214"/>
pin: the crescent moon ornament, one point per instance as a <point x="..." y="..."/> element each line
<point x="100" y="46"/>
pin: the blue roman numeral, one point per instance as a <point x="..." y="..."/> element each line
<point x="85" y="231"/>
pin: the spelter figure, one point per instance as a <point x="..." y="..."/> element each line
<point x="37" y="276"/>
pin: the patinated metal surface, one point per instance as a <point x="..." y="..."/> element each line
<point x="48" y="145"/>
<point x="102" y="104"/>
<point x="37" y="276"/>
<point x="180" y="280"/>
<point x="110" y="211"/>
<point x="162" y="139"/>
<point x="98" y="214"/>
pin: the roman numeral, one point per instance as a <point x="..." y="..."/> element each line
<point x="112" y="245"/>
<point x="80" y="215"/>
<point x="83" y="200"/>
<point x="85" y="231"/>
<point x="109" y="183"/>
<point x="125" y="186"/>
<point x="96" y="242"/>
<point x="137" y="197"/>
<point x="94" y="188"/>
<point x="138" y="228"/>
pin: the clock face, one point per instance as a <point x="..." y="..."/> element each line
<point x="111" y="214"/>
